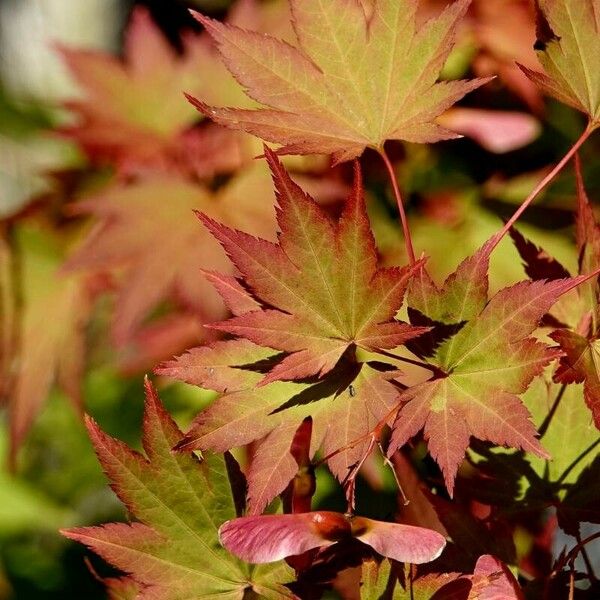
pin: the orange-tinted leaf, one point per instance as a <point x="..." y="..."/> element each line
<point x="132" y="110"/>
<point x="319" y="296"/>
<point x="55" y="308"/>
<point x="321" y="283"/>
<point x="505" y="33"/>
<point x="483" y="367"/>
<point x="147" y="230"/>
<point x="351" y="83"/>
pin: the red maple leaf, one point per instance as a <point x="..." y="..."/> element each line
<point x="314" y="305"/>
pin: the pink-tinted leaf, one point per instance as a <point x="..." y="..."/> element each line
<point x="271" y="537"/>
<point x="496" y="131"/>
<point x="493" y="580"/>
<point x="404" y="543"/>
<point x="267" y="538"/>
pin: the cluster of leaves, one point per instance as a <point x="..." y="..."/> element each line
<point x="482" y="399"/>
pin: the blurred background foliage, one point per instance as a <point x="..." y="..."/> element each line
<point x="93" y="295"/>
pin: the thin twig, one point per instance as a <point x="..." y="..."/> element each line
<point x="570" y="557"/>
<point x="572" y="584"/>
<point x="349" y="482"/>
<point x="586" y="559"/>
<point x="407" y="239"/>
<point x="388" y="462"/>
<point x="543" y="183"/>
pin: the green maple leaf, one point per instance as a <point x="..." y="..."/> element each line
<point x="351" y="82"/>
<point x="173" y="552"/>
<point x="568" y="49"/>
<point x="570" y="433"/>
<point x="483" y="367"/>
<point x="578" y="311"/>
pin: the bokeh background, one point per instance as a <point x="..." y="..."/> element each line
<point x="100" y="167"/>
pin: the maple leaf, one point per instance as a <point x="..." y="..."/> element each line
<point x="459" y="401"/>
<point x="132" y="109"/>
<point x="158" y="210"/>
<point x="54" y="311"/>
<point x="321" y="284"/>
<point x="351" y="83"/>
<point x="491" y="580"/>
<point x="569" y="434"/>
<point x="581" y="364"/>
<point x="318" y="296"/>
<point x="173" y="551"/>
<point x="581" y="347"/>
<point x="568" y="47"/>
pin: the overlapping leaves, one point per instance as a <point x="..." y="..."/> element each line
<point x="579" y="312"/>
<point x="317" y="297"/>
<point x="490" y="580"/>
<point x="481" y="369"/>
<point x="132" y="110"/>
<point x="132" y="218"/>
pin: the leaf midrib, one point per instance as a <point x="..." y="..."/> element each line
<point x="186" y="526"/>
